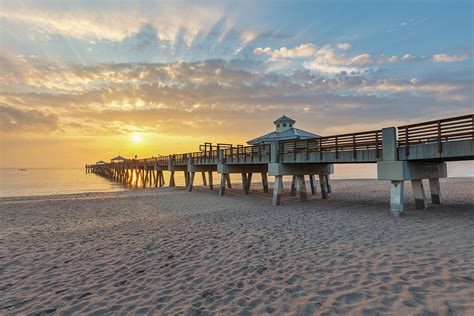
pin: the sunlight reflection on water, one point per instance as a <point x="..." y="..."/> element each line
<point x="14" y="182"/>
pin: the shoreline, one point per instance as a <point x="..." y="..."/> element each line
<point x="126" y="189"/>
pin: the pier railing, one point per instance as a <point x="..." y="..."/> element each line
<point x="245" y="154"/>
<point x="337" y="143"/>
<point x="162" y="160"/>
<point x="351" y="147"/>
<point x="205" y="157"/>
<point x="438" y="131"/>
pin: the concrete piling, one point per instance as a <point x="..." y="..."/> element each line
<point x="435" y="191"/>
<point x="265" y="182"/>
<point x="293" y="186"/>
<point x="419" y="193"/>
<point x="300" y="182"/>
<point x="277" y="191"/>
<point x="211" y="185"/>
<point x="396" y="198"/>
<point x="323" y="185"/>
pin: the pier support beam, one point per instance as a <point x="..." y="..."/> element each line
<point x="265" y="182"/>
<point x="298" y="171"/>
<point x="222" y="184"/>
<point x="162" y="179"/>
<point x="301" y="188"/>
<point x="190" y="180"/>
<point x="172" y="182"/>
<point x="419" y="193"/>
<point x="229" y="184"/>
<point x="396" y="198"/>
<point x="324" y="186"/>
<point x="249" y="183"/>
<point x="244" y="182"/>
<point x="293" y="186"/>
<point x="399" y="171"/>
<point x="328" y="184"/>
<point x="277" y="190"/>
<point x="211" y="184"/>
<point x="312" y="183"/>
<point x="435" y="191"/>
<point x="186" y="178"/>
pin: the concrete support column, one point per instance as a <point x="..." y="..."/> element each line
<point x="222" y="185"/>
<point x="328" y="184"/>
<point x="277" y="190"/>
<point x="396" y="198"/>
<point x="265" y="182"/>
<point x="435" y="191"/>
<point x="302" y="188"/>
<point x="323" y="185"/>
<point x="191" y="180"/>
<point x="145" y="178"/>
<point x="312" y="183"/>
<point x="162" y="179"/>
<point x="419" y="193"/>
<point x="186" y="178"/>
<point x="211" y="185"/>
<point x="172" y="182"/>
<point x="249" y="183"/>
<point x="244" y="182"/>
<point x="132" y="171"/>
<point x="204" y="182"/>
<point x="137" y="175"/>
<point x="227" y="177"/>
<point x="293" y="186"/>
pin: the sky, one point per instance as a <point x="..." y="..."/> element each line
<point x="82" y="81"/>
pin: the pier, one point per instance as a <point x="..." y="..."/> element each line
<point x="413" y="153"/>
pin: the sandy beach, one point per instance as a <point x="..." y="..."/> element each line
<point x="168" y="251"/>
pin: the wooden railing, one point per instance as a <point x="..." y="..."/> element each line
<point x="210" y="154"/>
<point x="162" y="160"/>
<point x="336" y="143"/>
<point x="439" y="131"/>
<point x="257" y="153"/>
<point x="181" y="159"/>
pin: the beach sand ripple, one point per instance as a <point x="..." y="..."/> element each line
<point x="167" y="251"/>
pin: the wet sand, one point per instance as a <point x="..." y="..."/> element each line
<point x="167" y="251"/>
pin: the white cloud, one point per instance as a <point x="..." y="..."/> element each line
<point x="443" y="58"/>
<point x="407" y="57"/>
<point x="362" y="59"/>
<point x="326" y="59"/>
<point x="304" y="50"/>
<point x="344" y="46"/>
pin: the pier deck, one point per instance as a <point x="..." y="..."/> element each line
<point x="410" y="152"/>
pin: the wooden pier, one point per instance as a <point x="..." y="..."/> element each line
<point x="410" y="152"/>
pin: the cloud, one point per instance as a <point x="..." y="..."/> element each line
<point x="303" y="50"/>
<point x="112" y="23"/>
<point x="176" y="98"/>
<point x="326" y="59"/>
<point x="443" y="58"/>
<point x="344" y="46"/>
<point x="15" y="120"/>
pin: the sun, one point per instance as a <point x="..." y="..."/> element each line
<point x="137" y="137"/>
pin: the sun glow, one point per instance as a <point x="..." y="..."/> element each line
<point x="137" y="137"/>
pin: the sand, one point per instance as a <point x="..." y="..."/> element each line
<point x="168" y="251"/>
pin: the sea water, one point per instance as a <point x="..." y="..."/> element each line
<point x="36" y="181"/>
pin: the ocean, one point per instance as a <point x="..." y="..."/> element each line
<point x="37" y="181"/>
